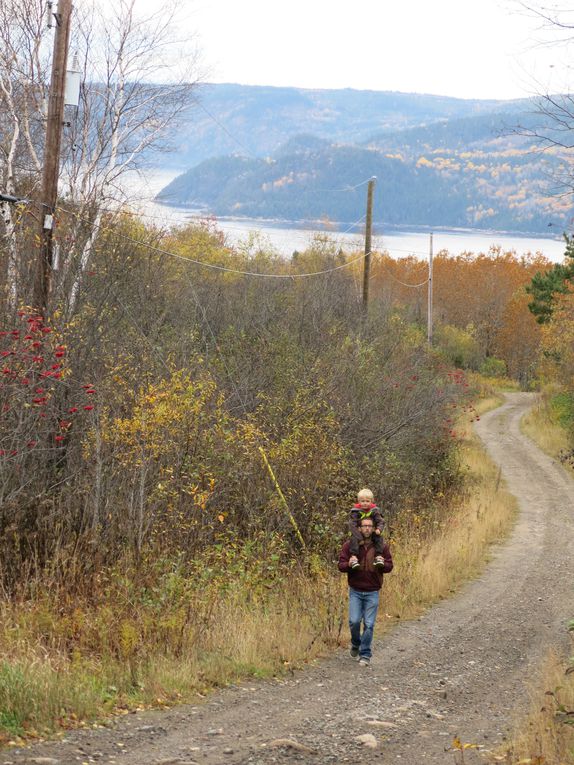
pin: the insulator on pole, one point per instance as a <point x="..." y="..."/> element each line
<point x="72" y="86"/>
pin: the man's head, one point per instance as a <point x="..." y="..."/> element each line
<point x="365" y="498"/>
<point x="366" y="527"/>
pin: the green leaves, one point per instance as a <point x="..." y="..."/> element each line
<point x="545" y="286"/>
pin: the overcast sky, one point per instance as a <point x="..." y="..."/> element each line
<point x="463" y="48"/>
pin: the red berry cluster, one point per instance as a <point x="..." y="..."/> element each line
<point x="34" y="382"/>
<point x="457" y="377"/>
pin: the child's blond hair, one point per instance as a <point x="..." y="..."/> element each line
<point x="365" y="494"/>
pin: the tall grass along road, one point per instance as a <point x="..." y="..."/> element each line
<point x="460" y="672"/>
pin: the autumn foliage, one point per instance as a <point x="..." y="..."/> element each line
<point x="480" y="306"/>
<point x="132" y="426"/>
<point x="132" y="421"/>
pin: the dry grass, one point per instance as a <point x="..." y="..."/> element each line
<point x="431" y="569"/>
<point x="56" y="673"/>
<point x="547" y="734"/>
<point x="488" y="387"/>
<point x="541" y="426"/>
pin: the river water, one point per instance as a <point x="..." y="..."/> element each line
<point x="286" y="237"/>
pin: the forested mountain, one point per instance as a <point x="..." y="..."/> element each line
<point x="256" y="120"/>
<point x="439" y="161"/>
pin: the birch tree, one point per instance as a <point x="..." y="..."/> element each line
<point x="124" y="116"/>
<point x="139" y="80"/>
<point x="551" y="124"/>
<point x="22" y="113"/>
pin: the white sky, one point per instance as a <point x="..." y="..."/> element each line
<point x="463" y="48"/>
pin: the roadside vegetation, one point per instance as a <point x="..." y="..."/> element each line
<point x="548" y="731"/>
<point x="548" y="423"/>
<point x="547" y="734"/>
<point x="131" y="645"/>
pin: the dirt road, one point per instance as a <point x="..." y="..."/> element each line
<point x="460" y="670"/>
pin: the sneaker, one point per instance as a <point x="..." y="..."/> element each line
<point x="354" y="652"/>
<point x="379" y="561"/>
<point x="364" y="662"/>
<point x="355" y="566"/>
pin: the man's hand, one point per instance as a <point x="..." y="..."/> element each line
<point x="353" y="561"/>
<point x="378" y="532"/>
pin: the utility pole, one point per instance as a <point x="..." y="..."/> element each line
<point x="368" y="230"/>
<point x="53" y="142"/>
<point x="429" y="311"/>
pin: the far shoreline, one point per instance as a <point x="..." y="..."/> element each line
<point x="320" y="224"/>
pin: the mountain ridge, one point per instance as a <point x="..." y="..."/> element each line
<point x="471" y="169"/>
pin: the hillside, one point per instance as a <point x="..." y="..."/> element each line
<point x="293" y="154"/>
<point x="501" y="186"/>
<point x="257" y="120"/>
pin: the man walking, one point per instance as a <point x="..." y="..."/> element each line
<point x="365" y="582"/>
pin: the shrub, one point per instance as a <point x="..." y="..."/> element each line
<point x="492" y="367"/>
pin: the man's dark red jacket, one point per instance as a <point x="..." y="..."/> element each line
<point x="367" y="577"/>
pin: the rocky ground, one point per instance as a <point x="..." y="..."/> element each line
<point x="461" y="670"/>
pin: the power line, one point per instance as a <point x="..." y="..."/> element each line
<point x="225" y="269"/>
<point x="246" y="229"/>
<point x="404" y="284"/>
<point x="215" y="267"/>
<point x="201" y="218"/>
<point x="225" y="130"/>
<point x="195" y="218"/>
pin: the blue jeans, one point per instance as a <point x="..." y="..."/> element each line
<point x="362" y="608"/>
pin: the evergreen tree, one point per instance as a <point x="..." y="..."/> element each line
<point x="544" y="286"/>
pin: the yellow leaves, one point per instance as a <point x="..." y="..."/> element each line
<point x="537" y="759"/>
<point x="162" y="417"/>
<point x="200" y="498"/>
<point x="458" y="745"/>
<point x="128" y="638"/>
<point x="558" y="340"/>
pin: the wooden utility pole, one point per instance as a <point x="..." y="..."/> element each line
<point x="368" y="230"/>
<point x="429" y="311"/>
<point x="53" y="142"/>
